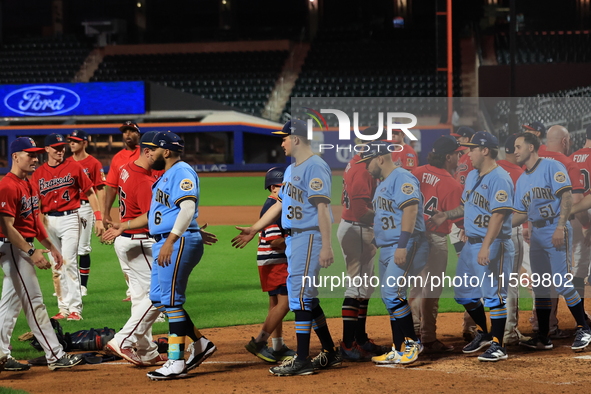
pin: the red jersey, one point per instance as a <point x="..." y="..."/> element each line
<point x="122" y="157"/>
<point x="59" y="187"/>
<point x="406" y="158"/>
<point x="575" y="175"/>
<point x="358" y="189"/>
<point x="19" y="200"/>
<point x="513" y="169"/>
<point x="441" y="192"/>
<point x="135" y="193"/>
<point x="581" y="159"/>
<point x="94" y="169"/>
<point x="464" y="167"/>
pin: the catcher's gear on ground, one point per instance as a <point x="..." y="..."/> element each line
<point x="92" y="339"/>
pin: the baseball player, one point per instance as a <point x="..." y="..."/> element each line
<point x="130" y="132"/>
<point x="581" y="233"/>
<point x="543" y="196"/>
<point x="463" y="134"/>
<point x="355" y="235"/>
<point x="399" y="232"/>
<point x="272" y="263"/>
<point x="558" y="145"/>
<point x="134" y="250"/>
<point x="486" y="207"/>
<point x="441" y="192"/>
<point x="539" y="130"/>
<point x="20" y="223"/>
<point x="59" y="183"/>
<point x="94" y="169"/>
<point x="406" y="157"/>
<point x="178" y="249"/>
<point x="512" y="333"/>
<point x="304" y="207"/>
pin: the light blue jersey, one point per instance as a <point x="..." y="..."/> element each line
<point x="177" y="184"/>
<point x="399" y="190"/>
<point x="304" y="185"/>
<point x="538" y="190"/>
<point x="483" y="196"/>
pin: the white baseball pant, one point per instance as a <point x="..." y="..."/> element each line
<point x="135" y="258"/>
<point x="86" y="226"/>
<point x="20" y="289"/>
<point x="64" y="232"/>
<point x="359" y="251"/>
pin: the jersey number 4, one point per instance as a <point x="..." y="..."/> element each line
<point x="430" y="206"/>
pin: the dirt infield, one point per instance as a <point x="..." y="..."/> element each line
<point x="233" y="370"/>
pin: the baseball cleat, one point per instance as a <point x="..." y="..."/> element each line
<point x="391" y="357"/>
<point x="582" y="339"/>
<point x="74" y="316"/>
<point x="494" y="353"/>
<point x="199" y="351"/>
<point x="160" y="359"/>
<point x="284" y="353"/>
<point x="558" y="334"/>
<point x="353" y="353"/>
<point x="327" y="359"/>
<point x="3" y="360"/>
<point x="128" y="354"/>
<point x="371" y="349"/>
<point x="411" y="351"/>
<point x="437" y="347"/>
<point x="260" y="350"/>
<point x="15" y="366"/>
<point x="480" y="340"/>
<point x="61" y="315"/>
<point x="67" y="361"/>
<point x="293" y="366"/>
<point x="172" y="369"/>
<point x="537" y="342"/>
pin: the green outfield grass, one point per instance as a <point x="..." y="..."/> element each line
<point x="224" y="288"/>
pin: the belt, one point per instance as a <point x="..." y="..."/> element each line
<point x="293" y="231"/>
<point x="5" y="240"/>
<point x="63" y="213"/>
<point x="158" y="237"/>
<point x="478" y="240"/>
<point x="84" y="202"/>
<point x="543" y="222"/>
<point x="357" y="223"/>
<point x="136" y="236"/>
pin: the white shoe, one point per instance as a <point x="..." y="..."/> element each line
<point x="172" y="369"/>
<point x="161" y="318"/>
<point x="198" y="352"/>
<point x="83" y="291"/>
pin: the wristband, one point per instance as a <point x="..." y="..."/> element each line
<point x="403" y="239"/>
<point x="97" y="215"/>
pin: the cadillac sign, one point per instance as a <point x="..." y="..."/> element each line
<point x="69" y="99"/>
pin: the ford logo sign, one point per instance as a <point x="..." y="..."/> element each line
<point x="42" y="100"/>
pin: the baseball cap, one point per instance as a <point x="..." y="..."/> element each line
<point x="78" y="135"/>
<point x="588" y="131"/>
<point x="446" y="144"/>
<point x="129" y="125"/>
<point x="536" y="126"/>
<point x="375" y="149"/>
<point x="510" y="144"/>
<point x="146" y="140"/>
<point x="483" y="139"/>
<point x="55" y="139"/>
<point x="293" y="127"/>
<point x="25" y="144"/>
<point x="464" y="131"/>
<point x="169" y="141"/>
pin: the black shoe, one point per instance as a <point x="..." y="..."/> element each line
<point x="538" y="343"/>
<point x="293" y="366"/>
<point x="13" y="365"/>
<point x="327" y="359"/>
<point x="480" y="340"/>
<point x="67" y="361"/>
